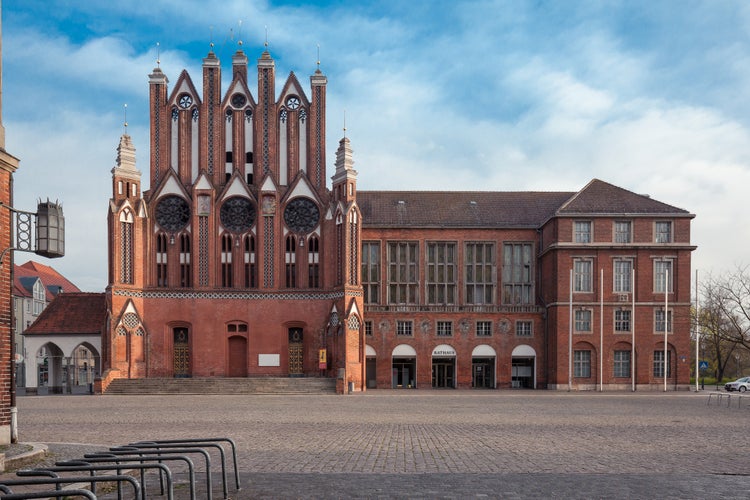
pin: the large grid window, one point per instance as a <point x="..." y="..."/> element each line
<point x="663" y="276"/>
<point x="622" y="320"/>
<point x="582" y="364"/>
<point x="404" y="328"/>
<point x="659" y="320"/>
<point x="582" y="230"/>
<point x="659" y="364"/>
<point x="663" y="232"/>
<point x="622" y="364"/>
<point x="623" y="231"/>
<point x="403" y="275"/>
<point x="480" y="273"/>
<point x="517" y="274"/>
<point x="523" y="328"/>
<point x="444" y="329"/>
<point x="441" y="273"/>
<point x="371" y="271"/>
<point x="583" y="320"/>
<point x="484" y="328"/>
<point x="623" y="269"/>
<point x="582" y="275"/>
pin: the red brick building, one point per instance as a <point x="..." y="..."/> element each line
<point x="239" y="261"/>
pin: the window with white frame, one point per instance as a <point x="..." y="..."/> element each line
<point x="404" y="328"/>
<point x="622" y="320"/>
<point x="583" y="320"/>
<point x="582" y="275"/>
<point x="659" y="364"/>
<point x="622" y="364"/>
<point x="582" y="231"/>
<point x="659" y="320"/>
<point x="623" y="269"/>
<point x="484" y="328"/>
<point x="523" y="328"/>
<point x="623" y="231"/>
<point x="582" y="364"/>
<point x="663" y="276"/>
<point x="444" y="329"/>
<point x="518" y="273"/>
<point x="663" y="231"/>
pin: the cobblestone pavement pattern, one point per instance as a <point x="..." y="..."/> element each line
<point x="391" y="444"/>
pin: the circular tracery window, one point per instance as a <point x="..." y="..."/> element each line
<point x="301" y="215"/>
<point x="172" y="213"/>
<point x="237" y="214"/>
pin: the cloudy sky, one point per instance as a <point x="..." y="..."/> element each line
<point x="461" y="95"/>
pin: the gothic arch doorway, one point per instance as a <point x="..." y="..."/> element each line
<point x="295" y="352"/>
<point x="181" y="352"/>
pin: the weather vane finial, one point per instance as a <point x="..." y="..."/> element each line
<point x="239" y="33"/>
<point x="344" y="123"/>
<point x="265" y="44"/>
<point x="211" y="38"/>
<point x="125" y="122"/>
<point x="158" y="54"/>
<point x="318" y="56"/>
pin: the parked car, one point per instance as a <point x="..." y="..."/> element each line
<point x="741" y="385"/>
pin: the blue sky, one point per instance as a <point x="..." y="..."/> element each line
<point x="474" y="95"/>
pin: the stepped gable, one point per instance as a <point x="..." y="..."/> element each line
<point x="599" y="197"/>
<point x="53" y="281"/>
<point x="72" y="313"/>
<point x="477" y="209"/>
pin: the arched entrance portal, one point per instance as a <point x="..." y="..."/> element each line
<point x="295" y="352"/>
<point x="483" y="367"/>
<point x="523" y="372"/>
<point x="404" y="367"/>
<point x="444" y="366"/>
<point x="181" y="353"/>
<point x="370" y="367"/>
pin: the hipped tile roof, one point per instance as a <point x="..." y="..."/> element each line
<point x="500" y="209"/>
<point x="72" y="313"/>
<point x="51" y="279"/>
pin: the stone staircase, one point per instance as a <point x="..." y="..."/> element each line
<point x="261" y="385"/>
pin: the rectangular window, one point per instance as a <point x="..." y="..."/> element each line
<point x="582" y="229"/>
<point x="623" y="269"/>
<point x="523" y="328"/>
<point x="622" y="320"/>
<point x="368" y="328"/>
<point x="484" y="328"/>
<point x="403" y="273"/>
<point x="403" y="328"/>
<point x="582" y="278"/>
<point x="371" y="271"/>
<point x="583" y="320"/>
<point x="663" y="232"/>
<point x="582" y="364"/>
<point x="480" y="273"/>
<point x="518" y="273"/>
<point x="444" y="329"/>
<point x="663" y="276"/>
<point x="623" y="231"/>
<point x="659" y="321"/>
<point x="441" y="273"/>
<point x="622" y="364"/>
<point x="659" y="364"/>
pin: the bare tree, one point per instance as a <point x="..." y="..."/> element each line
<point x="725" y="315"/>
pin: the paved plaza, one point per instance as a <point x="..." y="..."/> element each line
<point x="432" y="444"/>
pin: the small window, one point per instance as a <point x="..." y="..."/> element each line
<point x="583" y="231"/>
<point x="444" y="329"/>
<point x="622" y="364"/>
<point x="249" y="157"/>
<point x="622" y="320"/>
<point x="583" y="320"/>
<point x="582" y="278"/>
<point x="404" y="328"/>
<point x="368" y="328"/>
<point x="659" y="364"/>
<point x="484" y="328"/>
<point x="659" y="320"/>
<point x="229" y="157"/>
<point x="523" y="328"/>
<point x="623" y="231"/>
<point x="663" y="232"/>
<point x="582" y="364"/>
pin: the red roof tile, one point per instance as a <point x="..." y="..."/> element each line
<point x="51" y="279"/>
<point x="72" y="313"/>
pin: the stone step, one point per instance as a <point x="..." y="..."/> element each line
<point x="261" y="385"/>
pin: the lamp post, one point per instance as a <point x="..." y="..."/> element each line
<point x="47" y="225"/>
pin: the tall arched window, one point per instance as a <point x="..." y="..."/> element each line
<point x="126" y="247"/>
<point x="249" y="257"/>
<point x="313" y="262"/>
<point x="291" y="261"/>
<point x="185" y="267"/>
<point x="161" y="260"/>
<point x="226" y="261"/>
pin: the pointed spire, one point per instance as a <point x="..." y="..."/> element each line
<point x="344" y="160"/>
<point x="126" y="154"/>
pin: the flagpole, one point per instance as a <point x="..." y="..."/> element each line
<point x="697" y="331"/>
<point x="601" y="330"/>
<point x="632" y="331"/>
<point x="570" y="334"/>
<point x="666" y="324"/>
